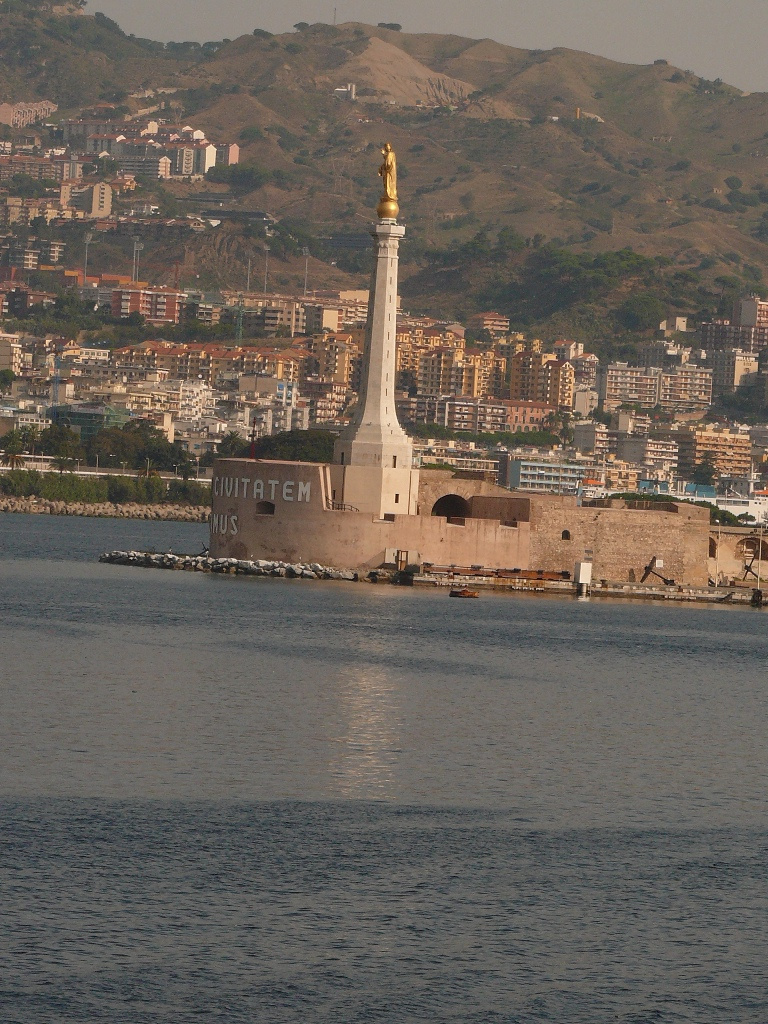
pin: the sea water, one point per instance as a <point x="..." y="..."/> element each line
<point x="244" y="799"/>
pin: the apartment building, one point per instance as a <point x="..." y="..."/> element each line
<point x="728" y="449"/>
<point x="541" y="377"/>
<point x="208" y="362"/>
<point x="686" y="388"/>
<point x="549" y="476"/>
<point x="19" y="115"/>
<point x="622" y="384"/>
<point x="319" y="317"/>
<point x="475" y="415"/>
<point x="524" y="417"/>
<point x="159" y="305"/>
<point x="730" y="369"/>
<point x="657" y="453"/>
<point x="723" y="334"/>
<point x="495" y="323"/>
<point x="620" y="477"/>
<point x="326" y="399"/>
<point x="585" y="370"/>
<point x="11" y="356"/>
<point x="94" y="201"/>
<point x="336" y="357"/>
<point x="568" y="350"/>
<point x="475" y="373"/>
<point x="592" y="438"/>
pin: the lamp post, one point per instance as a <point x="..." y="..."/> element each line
<point x="305" y="254"/>
<point x="87" y="238"/>
<point x="266" y="267"/>
<point x="248" y="279"/>
<point x="760" y="556"/>
<point x="138" y="247"/>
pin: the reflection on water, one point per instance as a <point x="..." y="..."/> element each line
<point x="368" y="750"/>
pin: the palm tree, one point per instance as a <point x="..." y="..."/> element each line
<point x="230" y="445"/>
<point x="30" y="437"/>
<point x="13" y="459"/>
<point x="63" y="463"/>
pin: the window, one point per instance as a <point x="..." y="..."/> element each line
<point x="394" y="462"/>
<point x="566" y="535"/>
<point x="397" y="499"/>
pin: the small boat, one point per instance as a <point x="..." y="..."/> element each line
<point x="463" y="592"/>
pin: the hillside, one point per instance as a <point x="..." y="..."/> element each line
<point x="487" y="138"/>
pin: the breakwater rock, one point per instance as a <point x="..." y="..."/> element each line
<point x="105" y="509"/>
<point x="232" y="566"/>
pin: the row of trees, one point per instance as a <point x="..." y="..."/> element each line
<point x="136" y="446"/>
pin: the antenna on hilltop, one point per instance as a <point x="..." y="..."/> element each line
<point x="334" y="15"/>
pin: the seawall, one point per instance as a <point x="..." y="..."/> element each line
<point x="106" y="509"/>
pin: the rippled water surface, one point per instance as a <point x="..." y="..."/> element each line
<point x="238" y="799"/>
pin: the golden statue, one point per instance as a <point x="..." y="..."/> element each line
<point x="388" y="208"/>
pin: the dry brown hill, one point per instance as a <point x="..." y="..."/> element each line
<point x="487" y="136"/>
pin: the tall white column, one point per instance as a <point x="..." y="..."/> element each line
<point x="375" y="438"/>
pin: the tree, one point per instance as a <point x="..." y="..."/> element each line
<point x="642" y="312"/>
<point x="12" y="442"/>
<point x="7" y="377"/>
<point x="297" y="446"/>
<point x="59" y="440"/>
<point x="704" y="472"/>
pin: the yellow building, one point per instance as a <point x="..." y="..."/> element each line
<point x="541" y="377"/>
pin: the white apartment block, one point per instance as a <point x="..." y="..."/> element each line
<point x="686" y="388"/>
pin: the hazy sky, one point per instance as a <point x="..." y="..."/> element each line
<point x="716" y="38"/>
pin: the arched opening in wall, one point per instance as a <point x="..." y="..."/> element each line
<point x="712" y="547"/>
<point x="265" y="508"/>
<point x="566" y="535"/>
<point x="451" y="506"/>
<point x="750" y="547"/>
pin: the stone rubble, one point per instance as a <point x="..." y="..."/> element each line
<point x="232" y="566"/>
<point x="106" y="509"/>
